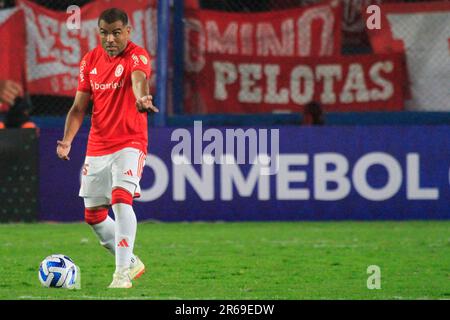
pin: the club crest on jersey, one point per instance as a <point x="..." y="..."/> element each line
<point x="119" y="70"/>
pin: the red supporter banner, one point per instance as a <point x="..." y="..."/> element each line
<point x="421" y="31"/>
<point x="53" y="51"/>
<point x="312" y="31"/>
<point x="13" y="43"/>
<point x="239" y="84"/>
<point x="302" y="32"/>
<point x="12" y="54"/>
<point x="353" y="24"/>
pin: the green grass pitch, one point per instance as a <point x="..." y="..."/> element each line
<point x="260" y="260"/>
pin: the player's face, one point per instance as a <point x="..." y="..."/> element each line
<point x="114" y="36"/>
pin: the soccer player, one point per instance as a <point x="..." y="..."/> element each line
<point x="116" y="75"/>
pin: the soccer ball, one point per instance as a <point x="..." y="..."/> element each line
<point x="58" y="271"/>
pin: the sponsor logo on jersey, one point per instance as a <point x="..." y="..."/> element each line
<point x="119" y="70"/>
<point x="106" y="86"/>
<point x="93" y="71"/>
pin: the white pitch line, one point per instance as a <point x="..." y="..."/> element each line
<point x="101" y="298"/>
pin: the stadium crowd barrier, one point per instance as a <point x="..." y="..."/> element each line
<point x="19" y="176"/>
<point x="326" y="173"/>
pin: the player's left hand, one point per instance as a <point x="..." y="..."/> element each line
<point x="63" y="149"/>
<point x="145" y="104"/>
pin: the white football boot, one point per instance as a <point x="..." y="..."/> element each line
<point x="121" y="280"/>
<point x="137" y="269"/>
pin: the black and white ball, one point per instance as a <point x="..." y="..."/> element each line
<point x="58" y="271"/>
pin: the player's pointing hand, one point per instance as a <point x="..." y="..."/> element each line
<point x="63" y="149"/>
<point x="145" y="104"/>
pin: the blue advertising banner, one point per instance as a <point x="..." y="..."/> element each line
<point x="303" y="173"/>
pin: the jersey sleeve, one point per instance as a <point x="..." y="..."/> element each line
<point x="141" y="61"/>
<point x="83" y="77"/>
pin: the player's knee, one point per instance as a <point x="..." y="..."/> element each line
<point x="120" y="195"/>
<point x="95" y="216"/>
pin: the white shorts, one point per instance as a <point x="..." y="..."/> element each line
<point x="102" y="174"/>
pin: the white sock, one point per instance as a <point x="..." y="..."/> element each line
<point x="125" y="227"/>
<point x="105" y="232"/>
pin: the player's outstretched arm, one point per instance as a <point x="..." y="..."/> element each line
<point x="74" y="121"/>
<point x="144" y="101"/>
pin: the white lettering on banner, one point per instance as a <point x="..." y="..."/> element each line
<point x="275" y="47"/>
<point x="272" y="96"/>
<point x="302" y="76"/>
<point x="285" y="177"/>
<point x="426" y="39"/>
<point x="322" y="177"/>
<point x="250" y="73"/>
<point x="240" y="37"/>
<point x="355" y="82"/>
<point x="387" y="90"/>
<point x="225" y="73"/>
<point x="203" y="184"/>
<point x="324" y="15"/>
<point x="414" y="191"/>
<point x="47" y="58"/>
<point x="41" y="35"/>
<point x="333" y="178"/>
<point x="222" y="44"/>
<point x="304" y="81"/>
<point x="161" y="182"/>
<point x="329" y="73"/>
<point x="394" y="171"/>
<point x="231" y="176"/>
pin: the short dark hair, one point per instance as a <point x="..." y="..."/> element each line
<point x="112" y="15"/>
